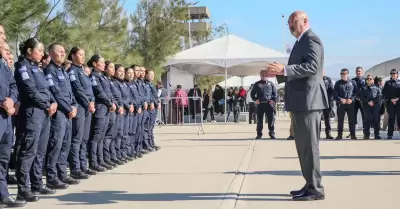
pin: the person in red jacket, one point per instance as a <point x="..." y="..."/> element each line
<point x="242" y="98"/>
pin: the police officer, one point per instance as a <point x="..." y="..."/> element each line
<point x="110" y="155"/>
<point x="344" y="93"/>
<point x="370" y="96"/>
<point x="327" y="112"/>
<point x="61" y="122"/>
<point x="130" y="122"/>
<point x="104" y="105"/>
<point x="360" y="81"/>
<point x="83" y="92"/>
<point x="264" y="94"/>
<point x="144" y="147"/>
<point x="154" y="107"/>
<point x="391" y="92"/>
<point x="136" y="125"/>
<point x="37" y="106"/>
<point x="8" y="97"/>
<point x="122" y="136"/>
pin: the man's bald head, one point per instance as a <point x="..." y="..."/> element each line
<point x="298" y="23"/>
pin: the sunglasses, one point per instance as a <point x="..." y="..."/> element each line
<point x="343" y="73"/>
<point x="369" y="78"/>
<point x="393" y="73"/>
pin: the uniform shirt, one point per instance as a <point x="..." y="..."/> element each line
<point x="101" y="89"/>
<point x="8" y="87"/>
<point x="60" y="87"/>
<point x="263" y="91"/>
<point x="134" y="92"/>
<point x="141" y="92"/>
<point x="345" y="90"/>
<point x="360" y="81"/>
<point x="370" y="93"/>
<point x="153" y="92"/>
<point x="329" y="87"/>
<point x="391" y="89"/>
<point x="81" y="86"/>
<point x="126" y="98"/>
<point x="32" y="85"/>
<point x="116" y="92"/>
<point x="144" y="90"/>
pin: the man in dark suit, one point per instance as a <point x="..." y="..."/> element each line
<point x="305" y="98"/>
<point x="194" y="100"/>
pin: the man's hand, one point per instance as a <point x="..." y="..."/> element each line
<point x="52" y="109"/>
<point x="139" y="110"/>
<point x="274" y="68"/>
<point x="271" y="102"/>
<point x="394" y="101"/>
<point x="8" y="103"/>
<point x="91" y="106"/>
<point x="121" y="110"/>
<point x="371" y="103"/>
<point x="113" y="108"/>
<point x="257" y="102"/>
<point x="151" y="106"/>
<point x="343" y="101"/>
<point x="10" y="111"/>
<point x="131" y="109"/>
<point x="145" y="106"/>
<point x="349" y="101"/>
<point x="72" y="114"/>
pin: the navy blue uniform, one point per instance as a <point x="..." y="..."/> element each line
<point x="103" y="102"/>
<point x="83" y="92"/>
<point x="265" y="92"/>
<point x="133" y="130"/>
<point x="391" y="90"/>
<point x="61" y="125"/>
<point x="34" y="124"/>
<point x="345" y="90"/>
<point x="371" y="113"/>
<point x="114" y="126"/>
<point x="8" y="89"/>
<point x="326" y="113"/>
<point x="152" y="91"/>
<point x="357" y="103"/>
<point x="145" y="119"/>
<point x="122" y="136"/>
<point x="137" y="126"/>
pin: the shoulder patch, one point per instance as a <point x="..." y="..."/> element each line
<point x="22" y="69"/>
<point x="93" y="79"/>
<point x="49" y="79"/>
<point x="72" y="77"/>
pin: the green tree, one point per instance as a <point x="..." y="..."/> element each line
<point x="157" y="30"/>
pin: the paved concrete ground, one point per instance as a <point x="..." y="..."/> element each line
<point x="226" y="168"/>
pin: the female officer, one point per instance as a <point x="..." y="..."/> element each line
<point x="153" y="108"/>
<point x="134" y="125"/>
<point x="104" y="105"/>
<point x="83" y="92"/>
<point x="37" y="105"/>
<point x="391" y="92"/>
<point x="119" y="116"/>
<point x="110" y="129"/>
<point x="370" y="96"/>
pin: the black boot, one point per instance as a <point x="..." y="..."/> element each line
<point x="328" y="135"/>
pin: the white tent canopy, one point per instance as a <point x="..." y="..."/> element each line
<point x="246" y="82"/>
<point x="236" y="55"/>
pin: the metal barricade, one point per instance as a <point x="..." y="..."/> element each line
<point x="177" y="111"/>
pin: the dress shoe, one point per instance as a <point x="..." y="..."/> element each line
<point x="109" y="162"/>
<point x="12" y="203"/>
<point x="56" y="184"/>
<point x="272" y="136"/>
<point x="366" y="137"/>
<point x="290" y="138"/>
<point x="378" y="137"/>
<point x="298" y="192"/>
<point x="157" y="147"/>
<point x="108" y="167"/>
<point x="307" y="196"/>
<point x="329" y="136"/>
<point x="11" y="180"/>
<point x="44" y="190"/>
<point x="27" y="196"/>
<point x="122" y="159"/>
<point x="118" y="162"/>
<point x="339" y="137"/>
<point x="98" y="168"/>
<point x="70" y="181"/>
<point x="89" y="172"/>
<point x="353" y="137"/>
<point x="79" y="175"/>
<point x="258" y="137"/>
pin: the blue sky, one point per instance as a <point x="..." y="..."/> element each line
<point x="354" y="32"/>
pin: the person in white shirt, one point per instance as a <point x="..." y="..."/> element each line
<point x="252" y="107"/>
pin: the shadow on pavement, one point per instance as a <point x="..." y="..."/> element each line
<point x="348" y="157"/>
<point x="324" y="173"/>
<point x="109" y="197"/>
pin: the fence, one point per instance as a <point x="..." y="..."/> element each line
<point x="177" y="111"/>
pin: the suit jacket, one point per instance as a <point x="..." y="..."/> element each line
<point x="304" y="88"/>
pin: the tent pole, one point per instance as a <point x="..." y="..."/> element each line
<point x="226" y="90"/>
